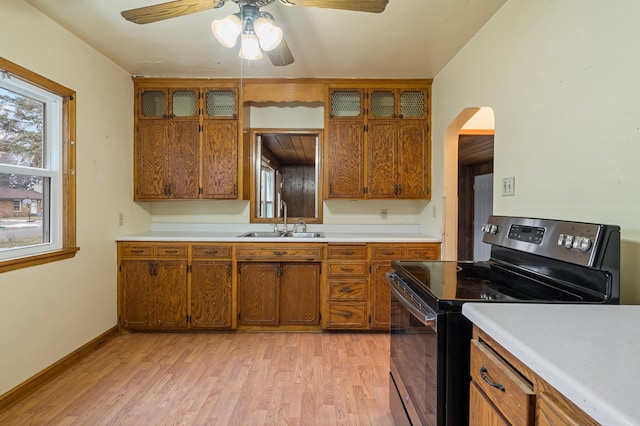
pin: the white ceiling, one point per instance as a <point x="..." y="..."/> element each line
<point x="410" y="39"/>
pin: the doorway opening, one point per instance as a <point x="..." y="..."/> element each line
<point x="469" y="181"/>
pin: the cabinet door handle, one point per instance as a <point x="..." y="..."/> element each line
<point x="346" y="289"/>
<point x="345" y="269"/>
<point x="483" y="374"/>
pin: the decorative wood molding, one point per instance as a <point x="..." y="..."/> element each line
<point x="30" y="385"/>
<point x="477" y="131"/>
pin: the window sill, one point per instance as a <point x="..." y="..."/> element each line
<point x="40" y="259"/>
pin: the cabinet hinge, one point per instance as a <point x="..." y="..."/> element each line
<point x="369" y="319"/>
<point x="120" y="268"/>
<point x="238" y="316"/>
<point x="320" y="316"/>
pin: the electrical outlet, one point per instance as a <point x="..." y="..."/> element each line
<point x="508" y="186"/>
<point x="384" y="214"/>
<point x="120" y="219"/>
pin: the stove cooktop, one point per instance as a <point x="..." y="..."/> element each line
<point x="449" y="284"/>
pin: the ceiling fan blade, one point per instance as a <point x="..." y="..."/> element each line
<point x="172" y="9"/>
<point x="280" y="55"/>
<point x="373" y="6"/>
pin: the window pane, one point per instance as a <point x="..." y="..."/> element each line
<point x="21" y="130"/>
<point x="24" y="207"/>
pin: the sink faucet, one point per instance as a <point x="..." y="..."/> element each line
<point x="302" y="223"/>
<point x="283" y="206"/>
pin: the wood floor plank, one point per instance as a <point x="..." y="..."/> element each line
<point x="243" y="379"/>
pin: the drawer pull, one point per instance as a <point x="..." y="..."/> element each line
<point x="387" y="253"/>
<point x="347" y="314"/>
<point x="279" y="253"/>
<point x="346" y="289"/>
<point x="347" y="252"/>
<point x="211" y="251"/>
<point x="483" y="374"/>
<point x="137" y="251"/>
<point x="171" y="251"/>
<point x="345" y="269"/>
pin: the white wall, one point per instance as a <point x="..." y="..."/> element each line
<point x="562" y="79"/>
<point x="48" y="311"/>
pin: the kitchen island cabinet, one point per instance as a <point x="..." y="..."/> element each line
<point x="579" y="360"/>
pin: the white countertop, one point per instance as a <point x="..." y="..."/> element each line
<point x="331" y="233"/>
<point x="589" y="353"/>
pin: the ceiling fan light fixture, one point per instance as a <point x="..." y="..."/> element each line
<point x="227" y="30"/>
<point x="250" y="47"/>
<point x="269" y="34"/>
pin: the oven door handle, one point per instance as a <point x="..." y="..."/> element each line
<point x="423" y="312"/>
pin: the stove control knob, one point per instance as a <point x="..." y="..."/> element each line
<point x="561" y="239"/>
<point x="582" y="243"/>
<point x="568" y="241"/>
<point x="493" y="229"/>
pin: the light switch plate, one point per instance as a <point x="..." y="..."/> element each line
<point x="508" y="186"/>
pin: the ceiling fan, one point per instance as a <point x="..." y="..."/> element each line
<point x="257" y="30"/>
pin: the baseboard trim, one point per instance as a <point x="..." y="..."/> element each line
<point x="27" y="387"/>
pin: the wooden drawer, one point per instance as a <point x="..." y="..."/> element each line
<point x="422" y="253"/>
<point x="410" y="251"/>
<point x="347" y="289"/>
<point x="136" y="249"/>
<point x="515" y="400"/>
<point x="170" y="250"/>
<point x="346" y="268"/>
<point x="292" y="252"/>
<point x="351" y="315"/>
<point x="347" y="251"/>
<point x="387" y="252"/>
<point x="210" y="251"/>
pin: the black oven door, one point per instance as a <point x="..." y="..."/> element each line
<point x="417" y="386"/>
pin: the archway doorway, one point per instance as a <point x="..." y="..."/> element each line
<point x="468" y="183"/>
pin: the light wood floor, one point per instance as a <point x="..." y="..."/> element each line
<point x="220" y="379"/>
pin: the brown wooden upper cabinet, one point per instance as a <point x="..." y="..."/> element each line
<point x="186" y="142"/>
<point x="378" y="144"/>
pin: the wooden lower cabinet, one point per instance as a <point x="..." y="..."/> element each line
<point x="274" y="294"/>
<point x="161" y="289"/>
<point x="153" y="290"/>
<point x="210" y="295"/>
<point x="380" y="256"/>
<point x="347" y="287"/>
<point x="504" y="391"/>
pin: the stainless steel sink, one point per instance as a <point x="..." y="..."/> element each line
<point x="282" y="234"/>
<point x="305" y="234"/>
<point x="263" y="234"/>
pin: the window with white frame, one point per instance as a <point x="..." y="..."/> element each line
<point x="35" y="167"/>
